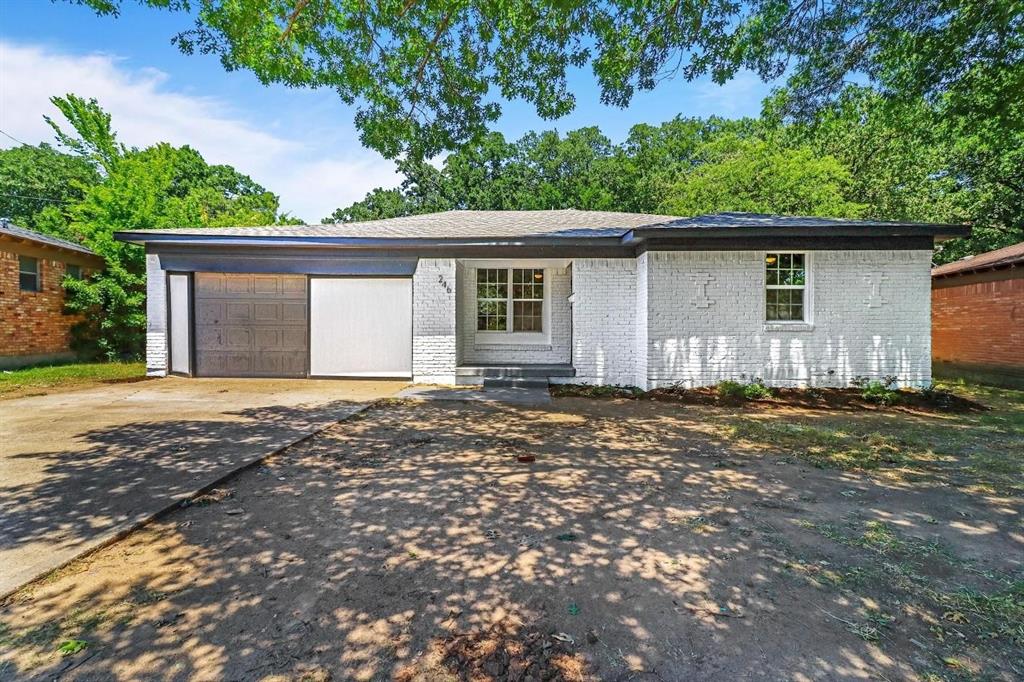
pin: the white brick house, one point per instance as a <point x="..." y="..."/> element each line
<point x="571" y="296"/>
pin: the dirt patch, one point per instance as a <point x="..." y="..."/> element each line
<point x="647" y="540"/>
<point x="940" y="401"/>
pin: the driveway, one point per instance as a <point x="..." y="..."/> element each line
<point x="77" y="468"/>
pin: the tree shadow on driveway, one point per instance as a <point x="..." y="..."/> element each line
<point x="112" y="476"/>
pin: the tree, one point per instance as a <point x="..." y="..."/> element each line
<point x="428" y="75"/>
<point x="760" y="177"/>
<point x="157" y="187"/>
<point x="38" y="184"/>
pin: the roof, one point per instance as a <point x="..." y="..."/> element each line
<point x="40" y="238"/>
<point x="1010" y="256"/>
<point x="453" y="224"/>
<point x="765" y="220"/>
<point x="552" y="227"/>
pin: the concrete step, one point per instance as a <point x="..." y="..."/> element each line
<point x="531" y="382"/>
<point x="515" y="371"/>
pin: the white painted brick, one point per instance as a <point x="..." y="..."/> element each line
<point x="434" y="345"/>
<point x="156" y="317"/>
<point x="851" y="334"/>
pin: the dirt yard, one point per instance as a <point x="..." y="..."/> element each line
<point x="647" y="541"/>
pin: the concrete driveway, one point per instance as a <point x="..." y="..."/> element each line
<point x="78" y="468"/>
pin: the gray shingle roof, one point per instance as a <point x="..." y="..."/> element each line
<point x="32" y="235"/>
<point x="452" y="225"/>
<point x="755" y="220"/>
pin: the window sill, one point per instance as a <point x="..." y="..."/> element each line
<point x="788" y="327"/>
<point x="511" y="339"/>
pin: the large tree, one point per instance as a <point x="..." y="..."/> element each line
<point x="430" y="75"/>
<point x="157" y="187"/>
<point x="39" y="183"/>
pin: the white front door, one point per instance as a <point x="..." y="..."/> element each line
<point x="360" y="327"/>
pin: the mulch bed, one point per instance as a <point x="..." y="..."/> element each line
<point x="805" y="398"/>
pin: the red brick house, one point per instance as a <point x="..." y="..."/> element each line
<point x="978" y="316"/>
<point x="33" y="325"/>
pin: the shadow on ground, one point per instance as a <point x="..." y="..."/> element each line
<point x="639" y="545"/>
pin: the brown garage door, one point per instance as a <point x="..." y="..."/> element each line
<point x="250" y="325"/>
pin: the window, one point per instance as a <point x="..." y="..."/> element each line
<point x="28" y="273"/>
<point x="73" y="271"/>
<point x="785" y="285"/>
<point x="502" y="307"/>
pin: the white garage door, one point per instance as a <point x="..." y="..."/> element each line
<point x="360" y="327"/>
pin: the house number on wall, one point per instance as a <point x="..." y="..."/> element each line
<point x="444" y="283"/>
<point x="702" y="280"/>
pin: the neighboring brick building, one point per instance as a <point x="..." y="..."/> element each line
<point x="33" y="325"/>
<point x="978" y="316"/>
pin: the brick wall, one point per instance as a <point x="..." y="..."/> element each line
<point x="980" y="322"/>
<point x="556" y="350"/>
<point x="156" y="317"/>
<point x="604" y="317"/>
<point x="33" y="323"/>
<point x="434" y="347"/>
<point x="869" y="316"/>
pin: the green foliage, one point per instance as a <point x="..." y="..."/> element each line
<point x="37" y="184"/>
<point x="72" y="646"/>
<point x="157" y="187"/>
<point x="429" y="76"/>
<point x="759" y="176"/>
<point x="878" y="392"/>
<point x="730" y="390"/>
<point x="756" y="390"/>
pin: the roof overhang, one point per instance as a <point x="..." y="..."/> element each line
<point x="630" y="243"/>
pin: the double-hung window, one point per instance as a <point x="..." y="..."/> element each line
<point x="28" y="273"/>
<point x="73" y="271"/>
<point x="785" y="287"/>
<point x="510" y="300"/>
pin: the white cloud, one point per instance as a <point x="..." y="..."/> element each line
<point x="313" y="172"/>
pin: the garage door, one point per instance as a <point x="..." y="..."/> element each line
<point x="250" y="325"/>
<point x="360" y="326"/>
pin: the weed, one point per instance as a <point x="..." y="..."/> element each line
<point x="730" y="390"/>
<point x="756" y="390"/>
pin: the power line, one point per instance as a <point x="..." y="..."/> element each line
<point x="6" y="134"/>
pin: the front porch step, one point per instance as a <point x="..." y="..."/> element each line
<point x="516" y="383"/>
<point x="537" y="372"/>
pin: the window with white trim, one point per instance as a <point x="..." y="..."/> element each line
<point x="510" y="300"/>
<point x="785" y="278"/>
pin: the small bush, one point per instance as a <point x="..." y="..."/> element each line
<point x="731" y="390"/>
<point x="880" y="393"/>
<point x="757" y="391"/>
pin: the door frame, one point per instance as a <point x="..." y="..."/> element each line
<point x="191" y="323"/>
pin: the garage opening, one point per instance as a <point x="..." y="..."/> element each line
<point x="250" y="325"/>
<point x="360" y="327"/>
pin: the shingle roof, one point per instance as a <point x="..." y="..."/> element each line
<point x="756" y="220"/>
<point x="32" y="235"/>
<point x="1000" y="258"/>
<point x="453" y="224"/>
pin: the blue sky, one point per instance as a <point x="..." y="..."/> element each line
<point x="301" y="144"/>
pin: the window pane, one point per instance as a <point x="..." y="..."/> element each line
<point x="28" y="273"/>
<point x="528" y="283"/>
<point x="73" y="271"/>
<point x="492" y="316"/>
<point x="527" y="316"/>
<point x="785" y="261"/>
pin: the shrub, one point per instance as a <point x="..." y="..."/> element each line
<point x="757" y="391"/>
<point x="731" y="390"/>
<point x="880" y="393"/>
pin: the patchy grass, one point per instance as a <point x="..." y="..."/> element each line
<point x="979" y="449"/>
<point x="18" y="383"/>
